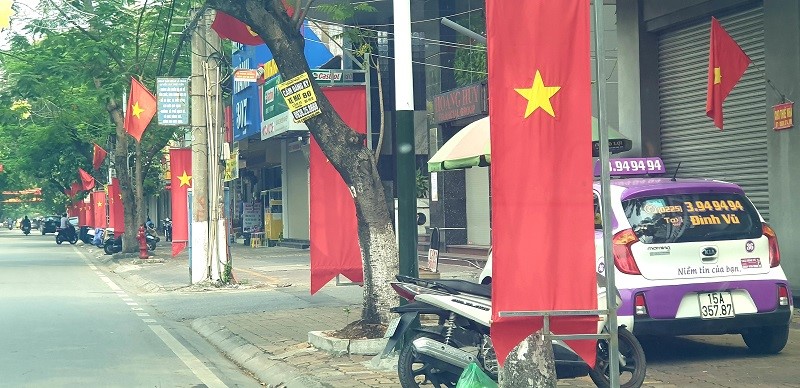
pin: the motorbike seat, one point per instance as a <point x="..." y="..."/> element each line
<point x="467" y="287"/>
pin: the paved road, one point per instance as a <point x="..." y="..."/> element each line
<point x="65" y="322"/>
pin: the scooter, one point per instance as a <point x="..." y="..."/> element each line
<point x="167" y="229"/>
<point x="114" y="244"/>
<point x="26" y="229"/>
<point x="66" y="234"/>
<point x="437" y="355"/>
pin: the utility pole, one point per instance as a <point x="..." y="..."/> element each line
<point x="208" y="237"/>
<point x="198" y="262"/>
<point x="404" y="131"/>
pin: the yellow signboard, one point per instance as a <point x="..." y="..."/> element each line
<point x="300" y="97"/>
<point x="232" y="167"/>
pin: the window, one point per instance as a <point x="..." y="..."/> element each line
<point x="692" y="217"/>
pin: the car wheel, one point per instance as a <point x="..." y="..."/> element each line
<point x="766" y="340"/>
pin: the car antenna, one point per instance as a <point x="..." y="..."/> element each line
<point x="676" y="172"/>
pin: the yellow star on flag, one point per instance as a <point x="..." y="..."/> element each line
<point x="717" y="76"/>
<point x="137" y="110"/>
<point x="184" y="179"/>
<point x="99" y="204"/>
<point x="538" y="96"/>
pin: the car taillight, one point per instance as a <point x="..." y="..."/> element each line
<point x="783" y="295"/>
<point x="404" y="292"/>
<point x="623" y="257"/>
<point x="774" y="251"/>
<point x="640" y="306"/>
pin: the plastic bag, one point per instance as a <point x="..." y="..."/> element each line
<point x="474" y="377"/>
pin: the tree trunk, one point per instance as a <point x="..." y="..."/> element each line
<point x="345" y="149"/>
<point x="530" y="364"/>
<point x="129" y="243"/>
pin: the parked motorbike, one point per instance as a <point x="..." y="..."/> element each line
<point x="438" y="355"/>
<point x="66" y="234"/>
<point x="167" y="224"/>
<point x="114" y="244"/>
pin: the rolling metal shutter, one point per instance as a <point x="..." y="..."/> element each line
<point x="739" y="153"/>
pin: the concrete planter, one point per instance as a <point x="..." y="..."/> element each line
<point x="339" y="346"/>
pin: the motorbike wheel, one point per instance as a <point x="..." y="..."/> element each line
<point x="74" y="240"/>
<point x="59" y="240"/>
<point x="108" y="248"/>
<point x="414" y="373"/>
<point x="631" y="375"/>
<point x="151" y="245"/>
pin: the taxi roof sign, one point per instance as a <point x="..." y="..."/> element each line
<point x="632" y="166"/>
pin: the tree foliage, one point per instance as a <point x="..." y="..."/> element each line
<point x="60" y="72"/>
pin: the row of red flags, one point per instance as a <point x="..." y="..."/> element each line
<point x="93" y="211"/>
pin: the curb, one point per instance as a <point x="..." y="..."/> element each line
<point x="269" y="371"/>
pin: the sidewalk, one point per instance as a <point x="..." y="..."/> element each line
<point x="273" y="346"/>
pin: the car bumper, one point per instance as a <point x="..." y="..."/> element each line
<point x="697" y="326"/>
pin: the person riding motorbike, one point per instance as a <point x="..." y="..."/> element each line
<point x="66" y="228"/>
<point x="26" y="225"/>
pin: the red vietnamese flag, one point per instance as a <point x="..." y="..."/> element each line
<point x="333" y="226"/>
<point x="98" y="204"/>
<point x="116" y="211"/>
<point x="86" y="180"/>
<point x="180" y="169"/>
<point x="231" y="28"/>
<point x="98" y="156"/>
<point x="726" y="65"/>
<point x="542" y="220"/>
<point x="141" y="109"/>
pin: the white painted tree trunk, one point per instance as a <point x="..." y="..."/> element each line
<point x="530" y="364"/>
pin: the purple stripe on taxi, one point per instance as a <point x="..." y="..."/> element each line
<point x="664" y="186"/>
<point x="663" y="301"/>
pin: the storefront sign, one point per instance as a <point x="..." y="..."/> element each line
<point x="331" y="76"/>
<point x="783" y="116"/>
<point x="277" y="119"/>
<point x="173" y="101"/>
<point x="459" y="103"/>
<point x="232" y="167"/>
<point x="300" y="97"/>
<point x="245" y="75"/>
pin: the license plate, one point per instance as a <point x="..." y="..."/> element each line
<point x="716" y="305"/>
<point x="392" y="327"/>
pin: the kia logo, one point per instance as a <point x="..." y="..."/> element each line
<point x="709" y="251"/>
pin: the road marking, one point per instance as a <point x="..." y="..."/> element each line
<point x="143" y="314"/>
<point x="128" y="299"/>
<point x="190" y="360"/>
<point x="195" y="365"/>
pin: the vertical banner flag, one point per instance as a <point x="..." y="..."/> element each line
<point x="86" y="180"/>
<point x="726" y="65"/>
<point x="99" y="208"/>
<point x="538" y="99"/>
<point x="141" y="108"/>
<point x="180" y="169"/>
<point x="116" y="211"/>
<point x="87" y="208"/>
<point x="333" y="226"/>
<point x="98" y="156"/>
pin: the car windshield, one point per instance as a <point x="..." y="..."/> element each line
<point x="692" y="217"/>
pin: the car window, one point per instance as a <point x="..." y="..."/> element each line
<point x="598" y="215"/>
<point x="692" y="217"/>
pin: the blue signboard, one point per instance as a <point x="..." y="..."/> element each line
<point x="173" y="101"/>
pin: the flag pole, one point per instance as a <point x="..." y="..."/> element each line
<point x="605" y="199"/>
